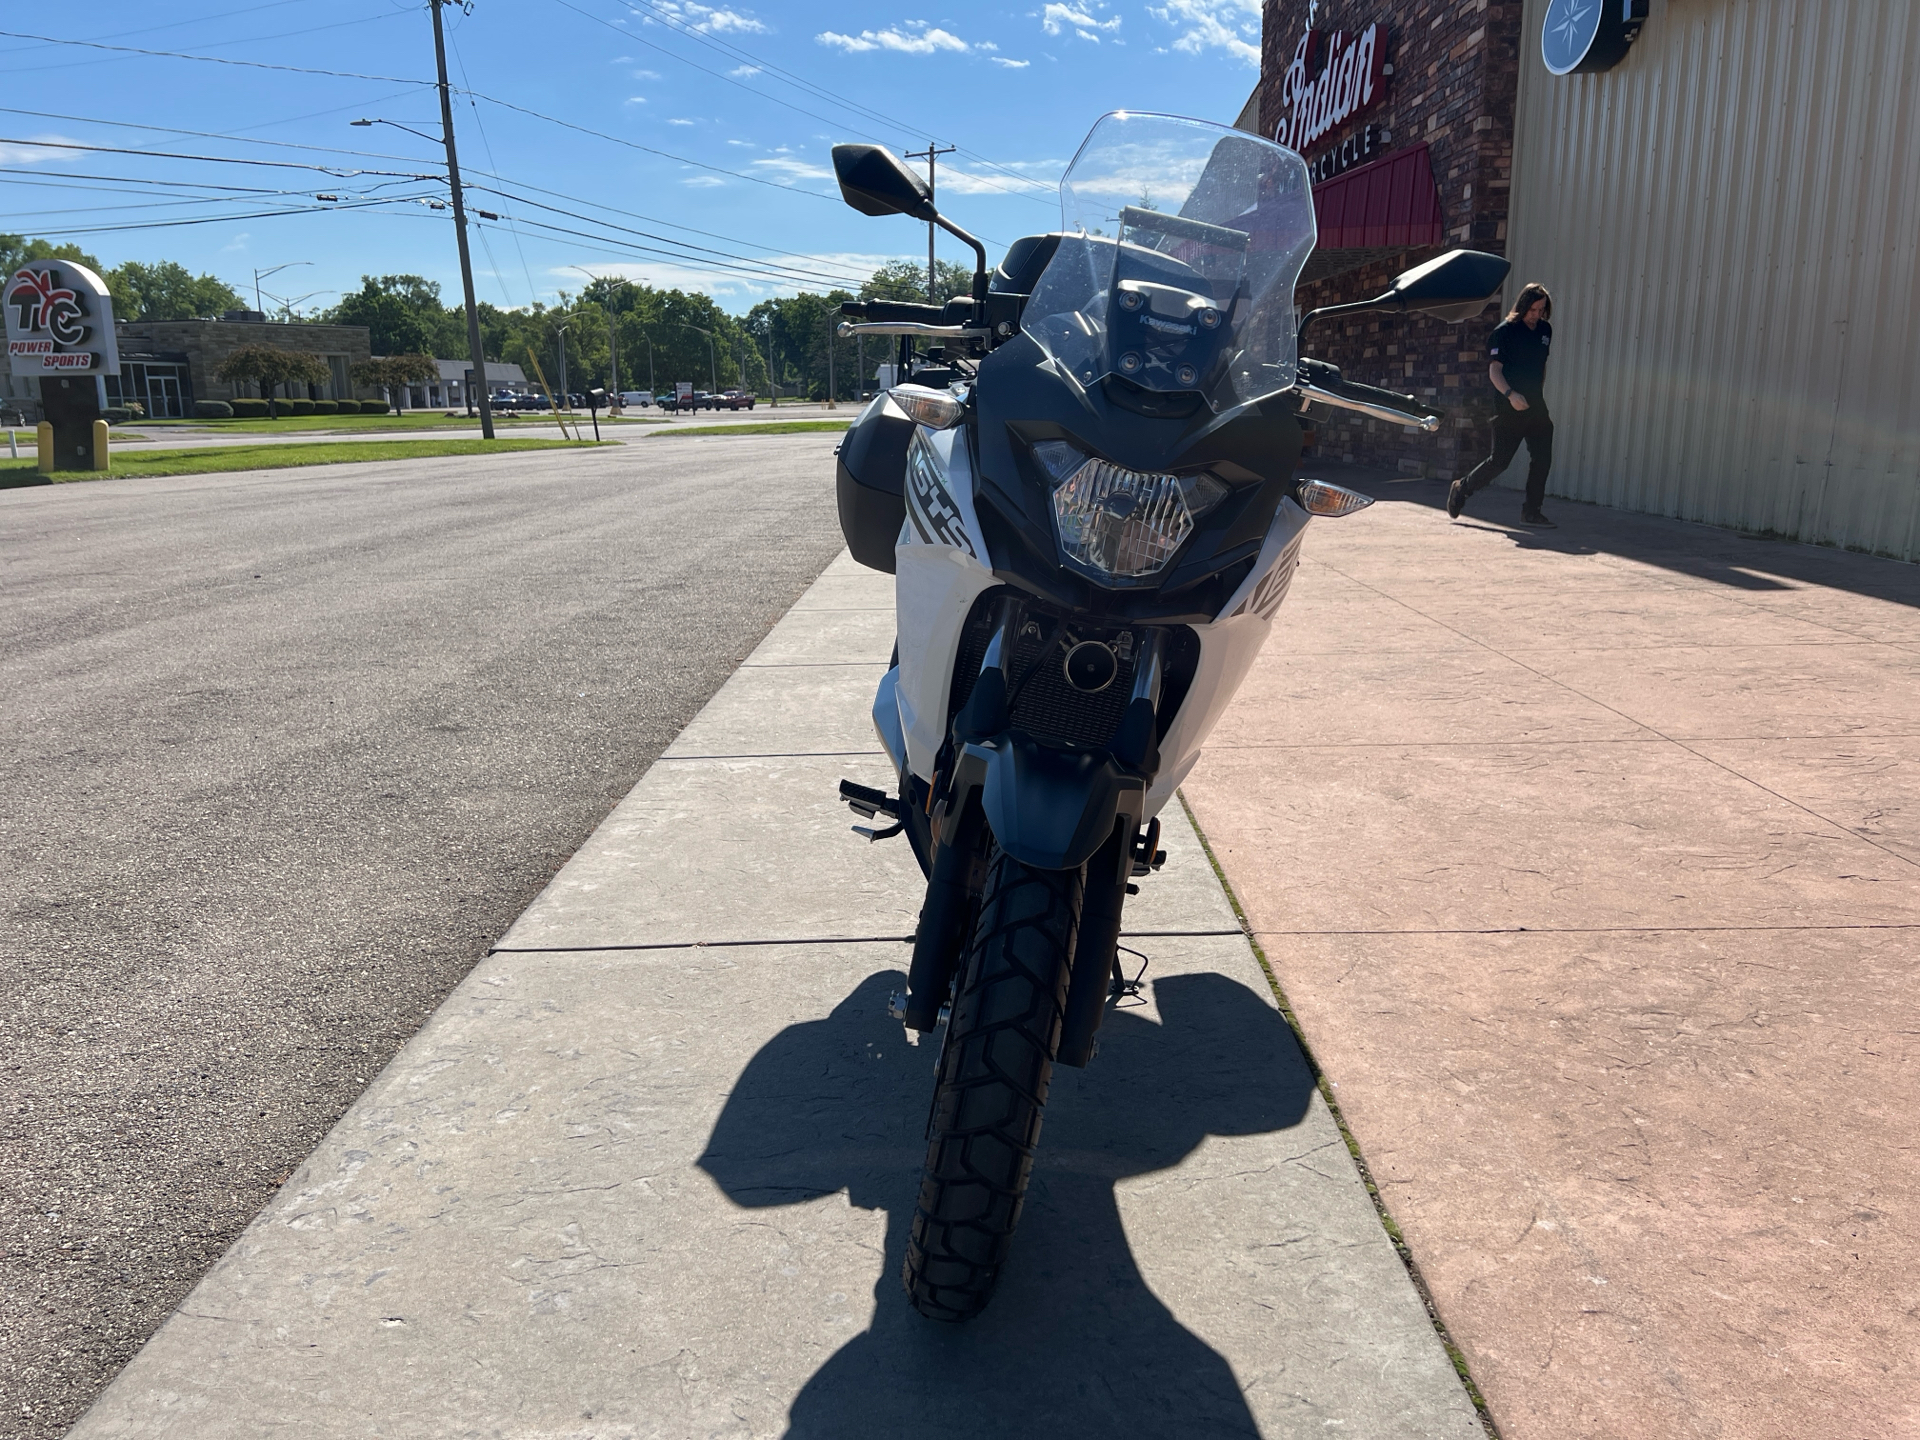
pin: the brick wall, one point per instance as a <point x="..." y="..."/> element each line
<point x="1455" y="74"/>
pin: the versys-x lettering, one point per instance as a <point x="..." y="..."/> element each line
<point x="1084" y="489"/>
<point x="931" y="508"/>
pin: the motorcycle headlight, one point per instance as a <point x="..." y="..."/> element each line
<point x="1121" y="522"/>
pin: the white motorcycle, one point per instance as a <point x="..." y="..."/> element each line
<point x="1087" y="497"/>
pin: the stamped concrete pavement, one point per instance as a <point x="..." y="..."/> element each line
<point x="648" y="1171"/>
<point x="1617" y="832"/>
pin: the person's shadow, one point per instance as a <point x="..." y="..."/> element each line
<point x="1074" y="1343"/>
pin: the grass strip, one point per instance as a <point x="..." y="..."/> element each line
<point x="409" y="420"/>
<point x="763" y="427"/>
<point x="1387" y="1223"/>
<point x="212" y="459"/>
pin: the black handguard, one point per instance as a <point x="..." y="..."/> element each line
<point x="892" y="312"/>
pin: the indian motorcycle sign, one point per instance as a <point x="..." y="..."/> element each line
<point x="1334" y="77"/>
<point x="59" y="321"/>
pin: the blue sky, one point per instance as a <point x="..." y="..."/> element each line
<point x="709" y="119"/>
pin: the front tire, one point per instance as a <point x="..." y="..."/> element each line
<point x="992" y="1087"/>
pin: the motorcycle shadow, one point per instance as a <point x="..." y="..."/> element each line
<point x="1074" y="1343"/>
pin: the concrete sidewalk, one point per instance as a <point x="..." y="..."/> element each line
<point x="1590" y="862"/>
<point x="648" y="1172"/>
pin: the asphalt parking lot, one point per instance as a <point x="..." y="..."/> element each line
<point x="287" y="753"/>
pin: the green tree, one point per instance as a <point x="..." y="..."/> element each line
<point x="404" y="316"/>
<point x="17" y="250"/>
<point x="906" y="280"/>
<point x="270" y="367"/>
<point x="167" y="290"/>
<point x="393" y="373"/>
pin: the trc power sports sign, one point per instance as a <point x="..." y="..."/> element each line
<point x="59" y="321"/>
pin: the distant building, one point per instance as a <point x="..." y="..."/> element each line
<point x="166" y="365"/>
<point x="450" y="390"/>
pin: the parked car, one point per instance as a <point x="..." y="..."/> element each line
<point x="636" y="399"/>
<point x="735" y="400"/>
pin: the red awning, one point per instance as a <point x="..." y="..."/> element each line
<point x="1390" y="202"/>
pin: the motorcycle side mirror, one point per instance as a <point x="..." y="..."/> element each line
<point x="1455" y="286"/>
<point x="874" y="182"/>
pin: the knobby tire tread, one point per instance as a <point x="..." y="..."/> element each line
<point x="991" y="1090"/>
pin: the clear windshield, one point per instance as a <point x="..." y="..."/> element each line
<point x="1185" y="240"/>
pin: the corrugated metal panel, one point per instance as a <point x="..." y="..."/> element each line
<point x="1391" y="202"/>
<point x="1728" y="221"/>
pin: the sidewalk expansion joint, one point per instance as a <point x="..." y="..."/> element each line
<point x="807" y="940"/>
<point x="1610" y="929"/>
<point x="1325" y="1086"/>
<point x="782" y="755"/>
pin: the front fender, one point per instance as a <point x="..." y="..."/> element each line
<point x="1051" y="809"/>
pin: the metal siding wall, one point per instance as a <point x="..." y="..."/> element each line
<point x="1728" y="223"/>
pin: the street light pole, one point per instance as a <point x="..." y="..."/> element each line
<point x="564" y="392"/>
<point x="260" y="275"/>
<point x="474" y="347"/>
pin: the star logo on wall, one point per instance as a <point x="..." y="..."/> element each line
<point x="1573" y="23"/>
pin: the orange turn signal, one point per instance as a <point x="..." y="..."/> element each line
<point x="1317" y="497"/>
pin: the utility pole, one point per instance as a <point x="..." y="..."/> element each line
<point x="773" y="385"/>
<point x="564" y="392"/>
<point x="931" y="154"/>
<point x="460" y="225"/>
<point x="831" y="347"/>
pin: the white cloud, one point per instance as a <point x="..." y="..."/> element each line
<point x="1044" y="181"/>
<point x="239" y="242"/>
<point x="1011" y="64"/>
<point x="743" y="71"/>
<point x="708" y="17"/>
<point x="678" y="121"/>
<point x="747" y="144"/>
<point x="646" y="74"/>
<point x="636" y="100"/>
<point x="917" y="39"/>
<point x="1055" y="19"/>
<point x="42" y="147"/>
<point x="703" y="182"/>
<point x="1229" y="25"/>
<point x="788" y="169"/>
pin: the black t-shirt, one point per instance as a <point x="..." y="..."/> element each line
<point x="1522" y="354"/>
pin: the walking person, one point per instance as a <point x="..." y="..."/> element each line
<point x="1518" y="369"/>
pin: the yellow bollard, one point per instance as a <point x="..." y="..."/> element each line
<point x="100" y="445"/>
<point x="45" y="436"/>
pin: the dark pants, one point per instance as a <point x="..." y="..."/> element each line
<point x="1510" y="426"/>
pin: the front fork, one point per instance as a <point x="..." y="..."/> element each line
<point x="960" y="830"/>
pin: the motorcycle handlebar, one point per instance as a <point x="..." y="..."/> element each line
<point x="893" y="312"/>
<point x="1327" y="377"/>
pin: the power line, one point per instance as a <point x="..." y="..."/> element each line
<point x="679" y="254"/>
<point x="214" y="59"/>
<point x="333" y="170"/>
<point x="213" y="134"/>
<point x="736" y="52"/>
<point x="224" y="219"/>
<point x="648" y="149"/>
<point x="636" y="215"/>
